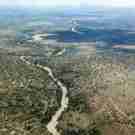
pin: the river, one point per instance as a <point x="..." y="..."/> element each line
<point x="51" y="126"/>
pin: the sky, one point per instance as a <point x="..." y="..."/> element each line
<point x="127" y="3"/>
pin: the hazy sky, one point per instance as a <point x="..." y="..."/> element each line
<point x="69" y="2"/>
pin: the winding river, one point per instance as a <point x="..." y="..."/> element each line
<point x="51" y="126"/>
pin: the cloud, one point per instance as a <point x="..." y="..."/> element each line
<point x="68" y="2"/>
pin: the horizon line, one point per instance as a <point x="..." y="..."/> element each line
<point x="65" y="6"/>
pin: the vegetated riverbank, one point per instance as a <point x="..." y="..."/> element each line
<point x="51" y="126"/>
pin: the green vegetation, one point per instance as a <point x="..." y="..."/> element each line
<point x="100" y="85"/>
<point x="27" y="98"/>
